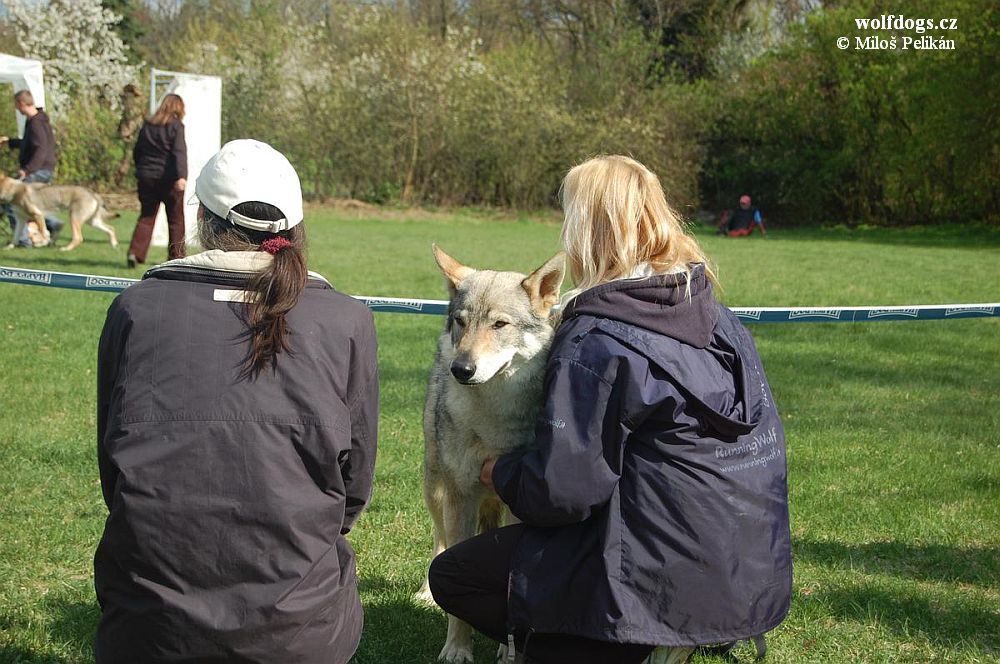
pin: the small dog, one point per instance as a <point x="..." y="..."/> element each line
<point x="84" y="206"/>
<point x="482" y="399"/>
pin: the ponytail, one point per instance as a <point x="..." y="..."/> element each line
<point x="275" y="290"/>
<point x="272" y="291"/>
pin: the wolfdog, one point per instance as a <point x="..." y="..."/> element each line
<point x="84" y="206"/>
<point x="482" y="399"/>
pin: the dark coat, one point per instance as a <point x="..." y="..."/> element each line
<point x="37" y="150"/>
<point x="656" y="489"/>
<point x="160" y="152"/>
<point x="740" y="219"/>
<point x="229" y="500"/>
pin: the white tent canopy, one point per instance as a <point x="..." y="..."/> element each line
<point x="23" y="74"/>
<point x="202" y="97"/>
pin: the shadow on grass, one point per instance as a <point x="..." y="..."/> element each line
<point x="398" y="628"/>
<point x="945" y="624"/>
<point x="76" y="623"/>
<point x="933" y="562"/>
<point x="14" y="655"/>
<point x="70" y="631"/>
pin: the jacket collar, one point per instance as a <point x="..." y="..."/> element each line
<point x="677" y="305"/>
<point x="216" y="261"/>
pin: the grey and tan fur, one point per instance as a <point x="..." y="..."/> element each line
<point x="36" y="200"/>
<point x="482" y="399"/>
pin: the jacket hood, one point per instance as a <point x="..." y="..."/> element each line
<point x="659" y="303"/>
<point x="705" y="346"/>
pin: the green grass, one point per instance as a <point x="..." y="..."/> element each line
<point x="892" y="434"/>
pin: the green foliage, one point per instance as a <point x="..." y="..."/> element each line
<point x="867" y="136"/>
<point x="129" y="28"/>
<point x="368" y="104"/>
<point x="88" y="147"/>
<point x="83" y="56"/>
<point x="690" y="33"/>
<point x="490" y="103"/>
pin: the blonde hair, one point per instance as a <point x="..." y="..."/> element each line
<point x="616" y="220"/>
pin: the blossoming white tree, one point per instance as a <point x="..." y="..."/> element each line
<point x="78" y="46"/>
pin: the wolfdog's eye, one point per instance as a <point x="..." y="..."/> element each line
<point x="500" y="323"/>
<point x="460" y="321"/>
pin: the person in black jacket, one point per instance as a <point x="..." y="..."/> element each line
<point x="654" y="499"/>
<point x="36" y="158"/>
<point x="237" y="420"/>
<point x="160" y="156"/>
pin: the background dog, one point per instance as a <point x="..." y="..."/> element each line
<point x="84" y="207"/>
<point x="482" y="399"/>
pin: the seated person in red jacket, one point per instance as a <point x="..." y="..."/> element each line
<point x="742" y="220"/>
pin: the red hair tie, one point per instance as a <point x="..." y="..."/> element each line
<point x="274" y="245"/>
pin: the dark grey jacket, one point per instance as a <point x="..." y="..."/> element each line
<point x="37" y="150"/>
<point x="160" y="152"/>
<point x="229" y="500"/>
<point x="657" y="489"/>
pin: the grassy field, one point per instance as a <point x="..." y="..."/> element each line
<point x="893" y="441"/>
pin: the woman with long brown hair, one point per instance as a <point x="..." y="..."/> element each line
<point x="160" y="156"/>
<point x="237" y="426"/>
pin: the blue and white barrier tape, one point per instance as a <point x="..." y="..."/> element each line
<point x="440" y="307"/>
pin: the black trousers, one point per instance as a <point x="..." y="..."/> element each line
<point x="469" y="581"/>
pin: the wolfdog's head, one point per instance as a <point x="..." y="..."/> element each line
<point x="497" y="321"/>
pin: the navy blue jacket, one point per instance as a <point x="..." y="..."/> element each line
<point x="656" y="490"/>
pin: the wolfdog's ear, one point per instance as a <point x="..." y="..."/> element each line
<point x="543" y="284"/>
<point x="454" y="271"/>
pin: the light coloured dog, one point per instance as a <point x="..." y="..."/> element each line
<point x="35" y="200"/>
<point x="482" y="399"/>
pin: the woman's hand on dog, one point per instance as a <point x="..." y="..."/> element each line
<point x="486" y="473"/>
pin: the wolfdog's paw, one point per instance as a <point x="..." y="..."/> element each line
<point x="9" y="246"/>
<point x="424" y="596"/>
<point x="456" y="653"/>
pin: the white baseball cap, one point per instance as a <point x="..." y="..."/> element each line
<point x="246" y="170"/>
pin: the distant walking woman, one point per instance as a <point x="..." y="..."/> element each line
<point x="161" y="171"/>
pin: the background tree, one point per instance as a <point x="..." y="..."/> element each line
<point x="76" y="40"/>
<point x="490" y="101"/>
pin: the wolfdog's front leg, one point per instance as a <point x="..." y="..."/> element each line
<point x="434" y="492"/>
<point x="460" y="513"/>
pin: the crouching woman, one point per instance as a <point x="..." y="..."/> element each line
<point x="237" y="423"/>
<point x="654" y="500"/>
